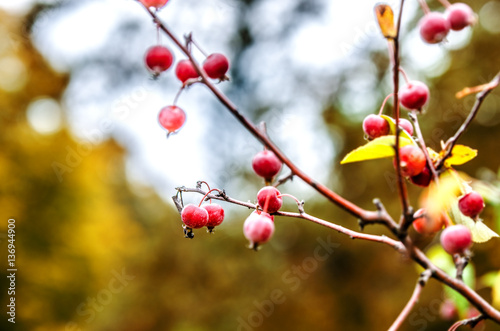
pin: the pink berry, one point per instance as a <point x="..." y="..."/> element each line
<point x="412" y="160"/>
<point x="414" y="95"/>
<point x="406" y="125"/>
<point x="448" y="310"/>
<point x="471" y="204"/>
<point x="158" y="59"/>
<point x="216" y="65"/>
<point x="266" y="164"/>
<point x="434" y="27"/>
<point x="171" y="118"/>
<point x="258" y="228"/>
<point x="154" y="3"/>
<point x="459" y="16"/>
<point x="215" y="215"/>
<point x="424" y="178"/>
<point x="194" y="217"/>
<point x="426" y="225"/>
<point x="269" y="199"/>
<point x="375" y="126"/>
<point x="185" y="70"/>
<point x="456" y="239"/>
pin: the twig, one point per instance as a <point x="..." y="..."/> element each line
<point x="283" y="180"/>
<point x="421" y="141"/>
<point x="475" y="109"/>
<point x="424" y="277"/>
<point x="461" y="262"/>
<point x="472" y="322"/>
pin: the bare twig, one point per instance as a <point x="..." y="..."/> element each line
<point x="283" y="180"/>
<point x="475" y="109"/>
<point x="461" y="262"/>
<point x="421" y="141"/>
<point x="472" y="322"/>
<point x="424" y="277"/>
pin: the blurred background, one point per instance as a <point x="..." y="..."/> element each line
<point x="88" y="174"/>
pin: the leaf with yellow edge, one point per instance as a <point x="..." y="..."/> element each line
<point x="480" y="232"/>
<point x="392" y="127"/>
<point x="385" y="18"/>
<point x="378" y="148"/>
<point x="460" y="154"/>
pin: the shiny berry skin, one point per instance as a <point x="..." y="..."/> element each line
<point x="258" y="228"/>
<point x="171" y="118"/>
<point x="158" y="59"/>
<point x="424" y="178"/>
<point x="185" y="70"/>
<point x="459" y="16"/>
<point x="275" y="201"/>
<point x="412" y="160"/>
<point x="406" y="125"/>
<point x="456" y="239"/>
<point x="426" y="225"/>
<point x="154" y="3"/>
<point x="434" y="27"/>
<point x="194" y="217"/>
<point x="375" y="126"/>
<point x="266" y="164"/>
<point x="215" y="214"/>
<point x="216" y="66"/>
<point x="414" y="95"/>
<point x="471" y="204"/>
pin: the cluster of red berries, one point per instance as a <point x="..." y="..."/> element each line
<point x="159" y="59"/>
<point x="435" y="26"/>
<point x="198" y="216"/>
<point x="259" y="226"/>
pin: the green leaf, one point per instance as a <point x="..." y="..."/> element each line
<point x="378" y="148"/>
<point x="443" y="260"/>
<point x="460" y="154"/>
<point x="480" y="232"/>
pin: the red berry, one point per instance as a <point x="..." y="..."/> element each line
<point x="448" y="310"/>
<point x="471" y="204"/>
<point x="171" y="118"/>
<point x="158" y="59"/>
<point x="459" y="16"/>
<point x="426" y="225"/>
<point x="406" y="125"/>
<point x="258" y="228"/>
<point x="424" y="178"/>
<point x="215" y="215"/>
<point x="216" y="65"/>
<point x="412" y="160"/>
<point x="456" y="239"/>
<point x="375" y="126"/>
<point x="271" y="195"/>
<point x="434" y="27"/>
<point x="266" y="164"/>
<point x="154" y="3"/>
<point x="185" y="70"/>
<point x="194" y="217"/>
<point x="414" y="95"/>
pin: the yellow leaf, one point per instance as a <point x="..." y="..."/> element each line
<point x="385" y="18"/>
<point x="460" y="155"/>
<point x="439" y="198"/>
<point x="378" y="148"/>
<point x="392" y="126"/>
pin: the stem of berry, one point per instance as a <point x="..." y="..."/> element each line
<point x="290" y="196"/>
<point x="424" y="6"/>
<point x="445" y="3"/>
<point x="191" y="40"/>
<point x="206" y="195"/>
<point x="421" y="141"/>
<point x="383" y="103"/>
<point x="405" y="76"/>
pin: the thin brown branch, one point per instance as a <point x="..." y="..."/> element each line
<point x="421" y="141"/>
<point x="343" y="203"/>
<point x="424" y="277"/>
<point x="475" y="109"/>
<point x="403" y="194"/>
<point x="472" y="322"/>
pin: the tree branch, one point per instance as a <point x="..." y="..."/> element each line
<point x="475" y="109"/>
<point x="424" y="277"/>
